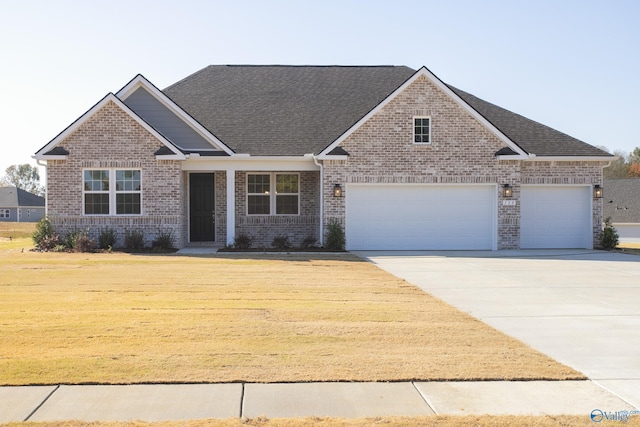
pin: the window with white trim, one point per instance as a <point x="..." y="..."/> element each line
<point x="422" y="130"/>
<point x="5" y="213"/>
<point x="262" y="200"/>
<point x="112" y="192"/>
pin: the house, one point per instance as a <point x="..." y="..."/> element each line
<point x="622" y="205"/>
<point x="18" y="205"/>
<point x="399" y="158"/>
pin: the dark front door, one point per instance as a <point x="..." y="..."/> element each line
<point x="201" y="208"/>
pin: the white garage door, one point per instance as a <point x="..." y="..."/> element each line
<point x="555" y="217"/>
<point x="416" y="216"/>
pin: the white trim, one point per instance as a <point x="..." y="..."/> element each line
<point x="231" y="206"/>
<point x="40" y="154"/>
<point x="248" y="163"/>
<point x="140" y="81"/>
<point x="424" y="72"/>
<point x="535" y="158"/>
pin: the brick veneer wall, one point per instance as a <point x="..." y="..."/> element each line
<point x="461" y="151"/>
<point x="112" y="139"/>
<point x="263" y="228"/>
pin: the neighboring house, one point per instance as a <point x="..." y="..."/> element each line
<point x="398" y="157"/>
<point x="622" y="204"/>
<point x="17" y="205"/>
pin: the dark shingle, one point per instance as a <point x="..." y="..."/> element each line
<point x="295" y="110"/>
<point x="622" y="199"/>
<point x="532" y="137"/>
<point x="283" y="110"/>
<point x="12" y="197"/>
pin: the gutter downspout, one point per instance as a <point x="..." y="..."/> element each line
<point x="46" y="193"/>
<point x="320" y="165"/>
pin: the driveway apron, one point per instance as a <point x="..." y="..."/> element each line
<point x="579" y="307"/>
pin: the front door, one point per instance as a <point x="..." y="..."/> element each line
<point x="201" y="208"/>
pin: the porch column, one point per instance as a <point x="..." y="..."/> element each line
<point x="231" y="206"/>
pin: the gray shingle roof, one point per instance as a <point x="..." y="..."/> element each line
<point x="532" y="137"/>
<point x="622" y="199"/>
<point x="283" y="110"/>
<point x="295" y="110"/>
<point x="12" y="197"/>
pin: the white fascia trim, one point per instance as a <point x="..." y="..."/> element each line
<point x="247" y="163"/>
<point x="327" y="157"/>
<point x="141" y="81"/>
<point x="436" y="81"/>
<point x="86" y="116"/>
<point x="534" y="158"/>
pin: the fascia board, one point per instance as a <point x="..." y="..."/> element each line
<point x="534" y="158"/>
<point x="328" y="157"/>
<point x="141" y="81"/>
<point x="440" y="84"/>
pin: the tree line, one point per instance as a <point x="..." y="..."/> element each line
<point x="626" y="166"/>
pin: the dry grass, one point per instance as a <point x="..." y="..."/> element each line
<point x="430" y="421"/>
<point x="120" y="319"/>
<point x="16" y="235"/>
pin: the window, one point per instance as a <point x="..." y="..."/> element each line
<point x="112" y="192"/>
<point x="422" y="130"/>
<point x="261" y="200"/>
<point x="4" y="213"/>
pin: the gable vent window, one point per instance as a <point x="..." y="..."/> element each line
<point x="422" y="130"/>
<point x="112" y="192"/>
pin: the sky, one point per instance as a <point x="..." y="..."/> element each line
<point x="573" y="65"/>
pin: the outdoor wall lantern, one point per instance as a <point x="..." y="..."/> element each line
<point x="597" y="192"/>
<point x="337" y="190"/>
<point x="507" y="191"/>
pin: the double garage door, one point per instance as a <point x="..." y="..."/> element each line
<point x="461" y="217"/>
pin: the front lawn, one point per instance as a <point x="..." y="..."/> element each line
<point x="120" y="318"/>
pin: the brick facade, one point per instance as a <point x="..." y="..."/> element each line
<point x="382" y="150"/>
<point x="112" y="139"/>
<point x="263" y="228"/>
<point x="461" y="151"/>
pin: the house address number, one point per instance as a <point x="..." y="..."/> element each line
<point x="508" y="203"/>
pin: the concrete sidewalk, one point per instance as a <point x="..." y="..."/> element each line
<point x="176" y="402"/>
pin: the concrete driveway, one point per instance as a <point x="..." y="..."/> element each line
<point x="580" y="307"/>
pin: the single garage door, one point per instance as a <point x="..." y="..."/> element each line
<point x="555" y="217"/>
<point x="420" y="217"/>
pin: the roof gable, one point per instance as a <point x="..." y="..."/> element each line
<point x="424" y="72"/>
<point x="167" y="117"/>
<point x="53" y="150"/>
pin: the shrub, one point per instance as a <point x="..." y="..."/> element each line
<point x="49" y="243"/>
<point x="163" y="241"/>
<point x="72" y="237"/>
<point x="609" y="237"/>
<point x="85" y="244"/>
<point x="134" y="240"/>
<point x="309" y="242"/>
<point x="335" y="236"/>
<point x="107" y="239"/>
<point x="44" y="234"/>
<point x="242" y="241"/>
<point x="281" y="242"/>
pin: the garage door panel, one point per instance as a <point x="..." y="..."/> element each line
<point x="413" y="217"/>
<point x="555" y="217"/>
